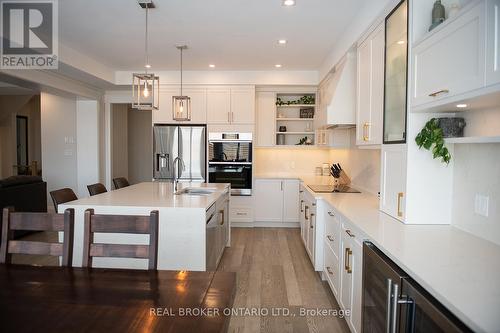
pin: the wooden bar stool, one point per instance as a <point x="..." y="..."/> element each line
<point x="96" y="189"/>
<point x="120" y="182"/>
<point x="37" y="222"/>
<point x="62" y="196"/>
<point x="120" y="224"/>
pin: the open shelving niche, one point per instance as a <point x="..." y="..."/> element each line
<point x="289" y="116"/>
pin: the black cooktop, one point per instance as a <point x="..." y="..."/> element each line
<point x="333" y="189"/>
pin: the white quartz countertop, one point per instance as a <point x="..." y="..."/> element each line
<point x="152" y="195"/>
<point x="460" y="270"/>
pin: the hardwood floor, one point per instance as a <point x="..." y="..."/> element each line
<point x="274" y="271"/>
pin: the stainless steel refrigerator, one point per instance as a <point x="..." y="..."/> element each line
<point x="184" y="141"/>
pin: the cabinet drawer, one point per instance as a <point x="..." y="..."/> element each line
<point x="332" y="234"/>
<point x="241" y="214"/>
<point x="331" y="270"/>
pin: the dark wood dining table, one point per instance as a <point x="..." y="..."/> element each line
<point x="58" y="299"/>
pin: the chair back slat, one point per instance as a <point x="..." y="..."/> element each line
<point x="120" y="182"/>
<point x="36" y="248"/>
<point x="62" y="196"/>
<point x="119" y="251"/>
<point x="96" y="189"/>
<point x="120" y="224"/>
<point x="37" y="222"/>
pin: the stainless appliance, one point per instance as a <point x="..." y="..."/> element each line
<point x="184" y="141"/>
<point x="333" y="189"/>
<point x="230" y="161"/>
<point x="393" y="302"/>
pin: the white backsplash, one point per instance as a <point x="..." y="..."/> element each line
<point x="477" y="171"/>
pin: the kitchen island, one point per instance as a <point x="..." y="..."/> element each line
<point x="182" y="230"/>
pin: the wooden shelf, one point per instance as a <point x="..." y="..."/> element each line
<point x="296" y="106"/>
<point x="474" y="139"/>
<point x="294" y="119"/>
<point x="296" y="133"/>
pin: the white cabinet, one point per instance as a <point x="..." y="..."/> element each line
<point x="241" y="210"/>
<point x="393" y="181"/>
<point x="493" y="42"/>
<point x="277" y="200"/>
<point x="265" y="119"/>
<point x="302" y="217"/>
<point x="243" y="105"/>
<point x="370" y="89"/>
<point x="351" y="276"/>
<point x="218" y="105"/>
<point x="231" y="105"/>
<point x="450" y="61"/>
<point x="268" y="200"/>
<point x="291" y="200"/>
<point x="198" y="106"/>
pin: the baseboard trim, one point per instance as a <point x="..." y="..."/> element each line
<point x="265" y="224"/>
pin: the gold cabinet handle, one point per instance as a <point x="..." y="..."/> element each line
<point x="222" y="213"/>
<point x="329" y="270"/>
<point x="349" y="232"/>
<point x="331" y="214"/>
<point x="311" y="224"/>
<point x="306" y="212"/>
<point x="439" y="92"/>
<point x="400" y="196"/>
<point x="301" y="205"/>
<point x="347" y="264"/>
<point x="366" y="132"/>
<point x="330" y="238"/>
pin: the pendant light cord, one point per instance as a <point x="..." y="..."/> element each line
<point x="146" y="38"/>
<point x="181" y="71"/>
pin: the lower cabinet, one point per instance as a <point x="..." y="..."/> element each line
<point x="276" y="200"/>
<point x="393" y="179"/>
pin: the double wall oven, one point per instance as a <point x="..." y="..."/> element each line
<point x="230" y="161"/>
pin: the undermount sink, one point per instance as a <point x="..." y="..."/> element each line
<point x="196" y="191"/>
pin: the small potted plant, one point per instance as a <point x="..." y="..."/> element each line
<point x="431" y="137"/>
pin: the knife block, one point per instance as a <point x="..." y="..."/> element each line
<point x="343" y="178"/>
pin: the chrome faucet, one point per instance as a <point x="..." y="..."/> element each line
<point x="174" y="169"/>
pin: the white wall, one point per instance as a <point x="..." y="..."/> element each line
<point x="59" y="132"/>
<point x="119" y="130"/>
<point x="140" y="146"/>
<point x="477" y="171"/>
<point x="362" y="166"/>
<point x="87" y="142"/>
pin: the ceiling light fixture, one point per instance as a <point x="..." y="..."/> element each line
<point x="282" y="41"/>
<point x="401" y="42"/>
<point x="145" y="86"/>
<point x="181" y="105"/>
<point x="288" y="3"/>
<point x="461" y="106"/>
<point x="277" y="65"/>
<point x="211" y="66"/>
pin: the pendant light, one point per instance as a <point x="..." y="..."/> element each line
<point x="145" y="86"/>
<point x="181" y="105"/>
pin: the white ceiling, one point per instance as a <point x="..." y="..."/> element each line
<point x="232" y="34"/>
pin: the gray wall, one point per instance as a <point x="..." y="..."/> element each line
<point x="140" y="148"/>
<point x="119" y="144"/>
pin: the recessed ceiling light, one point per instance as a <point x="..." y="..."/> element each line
<point x="277" y="65"/>
<point x="401" y="42"/>
<point x="461" y="106"/>
<point x="211" y="66"/>
<point x="288" y="2"/>
<point x="148" y="66"/>
<point x="282" y="41"/>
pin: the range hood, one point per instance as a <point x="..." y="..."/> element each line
<point x="341" y="110"/>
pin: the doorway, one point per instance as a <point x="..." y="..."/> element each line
<point x="22" y="145"/>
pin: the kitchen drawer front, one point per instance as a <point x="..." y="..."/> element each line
<point x="331" y="270"/>
<point x="332" y="233"/>
<point x="241" y="214"/>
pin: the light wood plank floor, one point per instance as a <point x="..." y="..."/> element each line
<point x="274" y="271"/>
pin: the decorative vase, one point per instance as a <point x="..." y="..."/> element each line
<point x="438" y="14"/>
<point x="282" y="129"/>
<point x="281" y="139"/>
<point x="452" y="127"/>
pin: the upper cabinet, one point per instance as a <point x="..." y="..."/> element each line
<point x="493" y="42"/>
<point x="370" y="92"/>
<point x="231" y="105"/>
<point x="396" y="63"/>
<point x="451" y="60"/>
<point x="198" y="106"/>
<point x="265" y="118"/>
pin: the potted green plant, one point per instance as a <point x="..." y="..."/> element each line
<point x="431" y="137"/>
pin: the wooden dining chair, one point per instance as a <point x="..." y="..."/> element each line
<point x="62" y="196"/>
<point x="37" y="222"/>
<point x="127" y="224"/>
<point x="120" y="182"/>
<point x="95" y="189"/>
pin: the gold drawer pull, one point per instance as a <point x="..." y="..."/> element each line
<point x="350" y="233"/>
<point x="400" y="196"/>
<point x="221" y="212"/>
<point x="306" y="213"/>
<point x="366" y="131"/>
<point x="329" y="270"/>
<point x="439" y="92"/>
<point x="311" y="224"/>
<point x="331" y="214"/>
<point x="347" y="264"/>
<point x="330" y="238"/>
